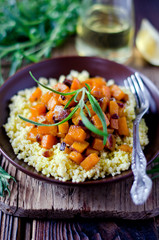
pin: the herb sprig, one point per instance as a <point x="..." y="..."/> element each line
<point x="31" y="29"/>
<point x="4" y="177"/>
<point x="80" y="105"/>
<point x="155" y="168"/>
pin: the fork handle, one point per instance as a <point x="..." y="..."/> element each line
<point x="142" y="184"/>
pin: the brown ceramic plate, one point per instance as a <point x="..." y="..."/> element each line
<point x="56" y="67"/>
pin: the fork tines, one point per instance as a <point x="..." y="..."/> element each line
<point x="136" y="86"/>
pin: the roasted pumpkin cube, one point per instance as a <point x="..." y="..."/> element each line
<point x="90" y="161"/>
<point x="75" y="84"/>
<point x="33" y="118"/>
<point x="98" y="144"/>
<point x="49" y="116"/>
<point x="106" y="92"/>
<point x="97" y="122"/>
<point x="116" y="92"/>
<point x="36" y="95"/>
<point x="76" y="120"/>
<point x="91" y="150"/>
<point x="89" y="106"/>
<point x="46" y="97"/>
<point x="77" y="133"/>
<point x="125" y="148"/>
<point x="38" y="109"/>
<point x="113" y="108"/>
<point x="47" y="130"/>
<point x="63" y="128"/>
<point x="114" y="123"/>
<point x="68" y="139"/>
<point x="63" y="100"/>
<point x="32" y="135"/>
<point x="76" y="157"/>
<point x="52" y="103"/>
<point x="48" y="141"/>
<point x="111" y="141"/>
<point x="79" y="146"/>
<point x="123" y="128"/>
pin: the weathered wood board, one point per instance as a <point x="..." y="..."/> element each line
<point x="32" y="198"/>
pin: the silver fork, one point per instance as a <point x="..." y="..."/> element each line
<point x="142" y="184"/>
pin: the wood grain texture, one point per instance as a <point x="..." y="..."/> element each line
<point x="26" y="229"/>
<point x="36" y="199"/>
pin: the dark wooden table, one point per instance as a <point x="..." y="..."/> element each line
<point x="24" y="228"/>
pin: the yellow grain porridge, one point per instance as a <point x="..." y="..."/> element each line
<point x="81" y="130"/>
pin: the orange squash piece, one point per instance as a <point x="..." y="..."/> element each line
<point x="67" y="150"/>
<point x="96" y="92"/>
<point x="46" y="97"/>
<point x="77" y="133"/>
<point x="75" y="84"/>
<point x="60" y="135"/>
<point x="32" y="135"/>
<point x="104" y="103"/>
<point x="36" y="95"/>
<point x="114" y="123"/>
<point x="48" y="141"/>
<point x="79" y="146"/>
<point x="61" y="87"/>
<point x="68" y="139"/>
<point x="76" y="157"/>
<point x="111" y="141"/>
<point x="63" y="128"/>
<point x="52" y="103"/>
<point x="89" y="81"/>
<point x="98" y="84"/>
<point x="76" y="120"/>
<point x="125" y="148"/>
<point x="33" y="118"/>
<point x="106" y="92"/>
<point x="121" y="111"/>
<point x="123" y="128"/>
<point x="77" y="113"/>
<point x="91" y="150"/>
<point x="97" y="122"/>
<point x="98" y="144"/>
<point x="116" y="92"/>
<point x="89" y="106"/>
<point x="49" y="116"/>
<point x="47" y="130"/>
<point x="38" y="109"/>
<point x="63" y="100"/>
<point x="90" y="161"/>
<point x="113" y="108"/>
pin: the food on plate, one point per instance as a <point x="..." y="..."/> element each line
<point x="82" y="129"/>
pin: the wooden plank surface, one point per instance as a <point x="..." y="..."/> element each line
<point x="33" y="198"/>
<point x="26" y="229"/>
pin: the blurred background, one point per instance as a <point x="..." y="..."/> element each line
<point x="31" y="31"/>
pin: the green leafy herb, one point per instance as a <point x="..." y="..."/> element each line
<point x="80" y="105"/>
<point x="155" y="168"/>
<point x="31" y="29"/>
<point x="4" y="177"/>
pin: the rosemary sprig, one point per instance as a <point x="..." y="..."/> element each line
<point x="80" y="105"/>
